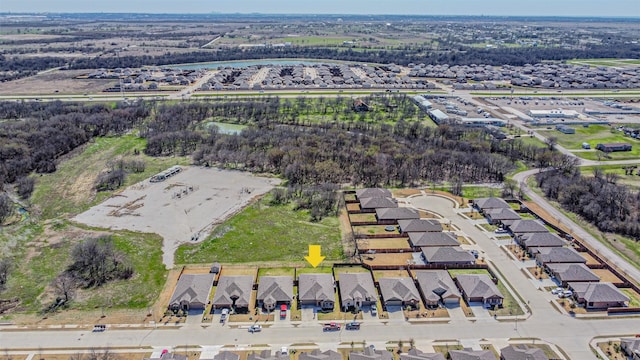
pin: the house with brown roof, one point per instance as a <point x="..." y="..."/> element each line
<point x="433" y="239"/>
<point x="399" y="291"/>
<point x="601" y="295"/>
<point x="372" y="192"/>
<point x="479" y="288"/>
<point x="631" y="347"/>
<point x="391" y="216"/>
<point x="541" y="239"/>
<point x="415" y="354"/>
<point x="447" y="255"/>
<point x="522" y="352"/>
<point x="318" y="355"/>
<point x="468" y="354"/>
<point x="369" y="205"/>
<point x="437" y="287"/>
<point x="565" y="273"/>
<point x="526" y="226"/>
<point x="191" y="292"/>
<point x="484" y="204"/>
<point x="504" y="216"/>
<point x="370" y="353"/>
<point x="356" y="290"/>
<point x="275" y="290"/>
<point x="554" y="255"/>
<point x="317" y="290"/>
<point x="419" y="225"/>
<point x="233" y="292"/>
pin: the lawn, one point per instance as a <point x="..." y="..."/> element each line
<point x="265" y="233"/>
<point x="595" y="134"/>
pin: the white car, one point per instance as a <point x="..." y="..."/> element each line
<point x="557" y="291"/>
<point x="255" y="328"/>
<point x="567" y="293"/>
<point x="284" y="350"/>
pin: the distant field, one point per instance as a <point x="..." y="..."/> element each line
<point x="56" y="82"/>
<point x="605" y="62"/>
<point x="593" y="135"/>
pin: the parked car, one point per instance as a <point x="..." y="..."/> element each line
<point x="224" y="315"/>
<point x="331" y="327"/>
<point x="474" y="253"/>
<point x="557" y="291"/>
<point x="353" y="326"/>
<point x="284" y="350"/>
<point x="501" y="231"/>
<point x="567" y="293"/>
<point x="283" y="311"/>
<point x="374" y="311"/>
<point x="255" y="328"/>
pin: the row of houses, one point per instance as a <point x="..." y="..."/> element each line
<point x="561" y="261"/>
<point x="511" y="352"/>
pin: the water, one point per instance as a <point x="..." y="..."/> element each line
<point x="247" y="63"/>
<point x="228" y="129"/>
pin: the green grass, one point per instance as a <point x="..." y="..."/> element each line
<point x="265" y="233"/>
<point x="70" y="190"/>
<point x="311" y="270"/>
<point x="634" y="301"/>
<point x="595" y="134"/>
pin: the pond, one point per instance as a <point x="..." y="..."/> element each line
<point x="228" y="129"/>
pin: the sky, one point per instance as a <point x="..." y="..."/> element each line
<point x="603" y="8"/>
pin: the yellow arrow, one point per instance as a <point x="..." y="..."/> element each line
<point x="314" y="257"/>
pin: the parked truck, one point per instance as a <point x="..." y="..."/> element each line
<point x="283" y="311"/>
<point x="331" y="327"/>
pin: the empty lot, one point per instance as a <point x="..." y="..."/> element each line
<point x="183" y="208"/>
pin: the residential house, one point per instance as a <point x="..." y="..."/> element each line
<point x="372" y="192"/>
<point x="266" y="355"/>
<point x="275" y="290"/>
<point x="233" y="292"/>
<point x="168" y="356"/>
<point x="612" y="147"/>
<point x="226" y="355"/>
<point x="541" y="239"/>
<point x="399" y="291"/>
<point x="479" y="288"/>
<point x="522" y="352"/>
<point x="468" y="354"/>
<point x="318" y="355"/>
<point x="415" y="354"/>
<point x="370" y="353"/>
<point x="447" y="255"/>
<point x="356" y="290"/>
<point x="393" y="215"/>
<point x="373" y="203"/>
<point x="504" y="216"/>
<point x="484" y="204"/>
<point x="419" y="225"/>
<point x="317" y="290"/>
<point x="359" y="105"/>
<point x="437" y="287"/>
<point x="551" y="255"/>
<point x="601" y="295"/>
<point x="191" y="292"/>
<point x="433" y="239"/>
<point x="631" y="347"/>
<point x="565" y="273"/>
<point x="526" y="226"/>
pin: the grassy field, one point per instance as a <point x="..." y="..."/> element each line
<point x="594" y="135"/>
<point x="604" y="62"/>
<point x="265" y="233"/>
<point x="630" y="180"/>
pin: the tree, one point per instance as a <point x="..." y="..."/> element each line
<point x="65" y="287"/>
<point x="6" y="208"/>
<point x="5" y="267"/>
<point x="96" y="261"/>
<point x="551" y="142"/>
<point x="24" y="187"/>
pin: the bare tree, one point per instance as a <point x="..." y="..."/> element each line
<point x="6" y="208"/>
<point x="65" y="287"/>
<point x="5" y="266"/>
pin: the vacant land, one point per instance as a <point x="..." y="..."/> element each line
<point x="57" y="82"/>
<point x="182" y="208"/>
<point x="593" y="135"/>
<point x="263" y="232"/>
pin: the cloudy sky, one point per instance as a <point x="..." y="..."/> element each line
<point x="625" y="8"/>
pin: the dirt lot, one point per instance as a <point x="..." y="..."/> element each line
<point x="61" y="81"/>
<point x="185" y="207"/>
<point x="399" y="259"/>
<point x="391" y="243"/>
<point x="606" y="276"/>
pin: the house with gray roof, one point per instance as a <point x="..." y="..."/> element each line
<point x="526" y="226"/>
<point x="373" y="203"/>
<point x="433" y="239"/>
<point x="551" y="255"/>
<point x="356" y="290"/>
<point x="275" y="290"/>
<point x="468" y="354"/>
<point x="447" y="255"/>
<point x="226" y="355"/>
<point x="266" y="355"/>
<point x="372" y="192"/>
<point x="233" y="292"/>
<point x="393" y="215"/>
<point x="192" y="292"/>
<point x="504" y="216"/>
<point x="399" y="291"/>
<point x="522" y="352"/>
<point x="168" y="356"/>
<point x="571" y="272"/>
<point x="631" y="347"/>
<point x="317" y="290"/>
<point x="600" y="295"/>
<point x="419" y="225"/>
<point x="318" y="355"/>
<point x="484" y="204"/>
<point x="479" y="288"/>
<point x="437" y="287"/>
<point x="370" y="353"/>
<point x="541" y="239"/>
<point x="415" y="354"/>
